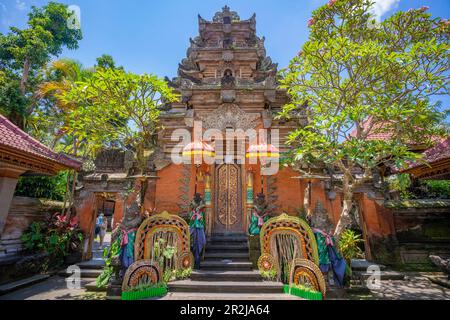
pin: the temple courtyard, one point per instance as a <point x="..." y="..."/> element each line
<point x="315" y="167"/>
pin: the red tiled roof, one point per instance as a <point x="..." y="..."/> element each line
<point x="378" y="132"/>
<point x="13" y="137"/>
<point x="435" y="154"/>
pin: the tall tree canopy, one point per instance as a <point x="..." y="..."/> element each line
<point x="354" y="79"/>
<point x="118" y="107"/>
<point x="24" y="51"/>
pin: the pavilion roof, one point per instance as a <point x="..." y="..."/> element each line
<point x="380" y="131"/>
<point x="435" y="162"/>
<point x="21" y="149"/>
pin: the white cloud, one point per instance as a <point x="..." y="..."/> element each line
<point x="20" y="5"/>
<point x="380" y="7"/>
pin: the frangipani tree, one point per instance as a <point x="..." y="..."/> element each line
<point x="124" y="106"/>
<point x="355" y="79"/>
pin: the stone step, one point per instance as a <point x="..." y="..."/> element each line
<point x="23" y="283"/>
<point x="384" y="275"/>
<point x="229" y="235"/>
<point x="217" y="275"/>
<point x="225" y="287"/>
<point x="92" y="286"/>
<point x="235" y="256"/>
<point x="227" y="296"/>
<point x="96" y="263"/>
<point x="227" y="248"/>
<point x="225" y="265"/>
<point x="363" y="264"/>
<point x="228" y="239"/>
<point x="85" y="273"/>
<point x="226" y="243"/>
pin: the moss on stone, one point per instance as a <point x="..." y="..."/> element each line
<point x="422" y="203"/>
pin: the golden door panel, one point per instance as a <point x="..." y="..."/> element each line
<point x="228" y="198"/>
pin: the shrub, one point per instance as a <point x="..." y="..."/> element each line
<point x="58" y="236"/>
<point x="53" y="188"/>
<point x="349" y="245"/>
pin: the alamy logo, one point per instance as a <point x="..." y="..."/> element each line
<point x="373" y="282"/>
<point x="73" y="282"/>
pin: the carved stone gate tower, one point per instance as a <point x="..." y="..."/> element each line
<point x="228" y="83"/>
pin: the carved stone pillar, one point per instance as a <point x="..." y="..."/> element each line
<point x="208" y="204"/>
<point x="250" y="197"/>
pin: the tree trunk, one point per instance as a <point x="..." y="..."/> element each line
<point x="307" y="200"/>
<point x="345" y="220"/>
<point x="66" y="195"/>
<point x="25" y="74"/>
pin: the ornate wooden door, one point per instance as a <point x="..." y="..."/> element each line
<point x="228" y="213"/>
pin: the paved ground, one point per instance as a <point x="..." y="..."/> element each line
<point x="54" y="288"/>
<point x="414" y="287"/>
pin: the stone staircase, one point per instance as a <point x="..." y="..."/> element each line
<point x="227" y="270"/>
<point x="360" y="275"/>
<point x="90" y="270"/>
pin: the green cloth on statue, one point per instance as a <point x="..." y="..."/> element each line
<point x="197" y="219"/>
<point x="322" y="248"/>
<point x="254" y="228"/>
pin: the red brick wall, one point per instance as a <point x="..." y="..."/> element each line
<point x="167" y="189"/>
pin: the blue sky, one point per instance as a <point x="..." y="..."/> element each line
<point x="152" y="36"/>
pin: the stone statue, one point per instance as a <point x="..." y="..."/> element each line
<point x="442" y="263"/>
<point x="125" y="233"/>
<point x="260" y="214"/>
<point x="330" y="260"/>
<point x="197" y="222"/>
<point x="228" y="80"/>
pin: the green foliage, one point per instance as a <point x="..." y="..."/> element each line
<point x="145" y="286"/>
<point x="24" y="51"/>
<point x="53" y="187"/>
<point x="270" y="275"/>
<point x="420" y="189"/>
<point x="117" y="107"/>
<point x="353" y="80"/>
<point x="400" y="183"/>
<point x="438" y="188"/>
<point x="106" y="62"/>
<point x="183" y="274"/>
<point x="108" y="253"/>
<point x="57" y="236"/>
<point x="349" y="245"/>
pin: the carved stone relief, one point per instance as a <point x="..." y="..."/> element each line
<point x="229" y="115"/>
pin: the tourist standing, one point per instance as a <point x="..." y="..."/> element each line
<point x="101" y="226"/>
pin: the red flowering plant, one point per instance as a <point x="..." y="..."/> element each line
<point x="58" y="236"/>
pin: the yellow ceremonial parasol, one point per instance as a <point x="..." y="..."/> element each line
<point x="198" y="149"/>
<point x="262" y="151"/>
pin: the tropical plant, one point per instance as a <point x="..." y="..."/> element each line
<point x="270" y="275"/>
<point x="354" y="81"/>
<point x="53" y="188"/>
<point x="349" y="245"/>
<point x="108" y="270"/>
<point x="163" y="255"/>
<point x="145" y="286"/>
<point x="183" y="274"/>
<point x="58" y="236"/>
